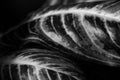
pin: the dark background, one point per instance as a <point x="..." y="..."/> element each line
<point x="12" y="12"/>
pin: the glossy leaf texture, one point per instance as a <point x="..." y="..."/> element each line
<point x="78" y="31"/>
<point x="86" y="35"/>
<point x="34" y="64"/>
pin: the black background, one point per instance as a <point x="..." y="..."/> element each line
<point x="12" y="12"/>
